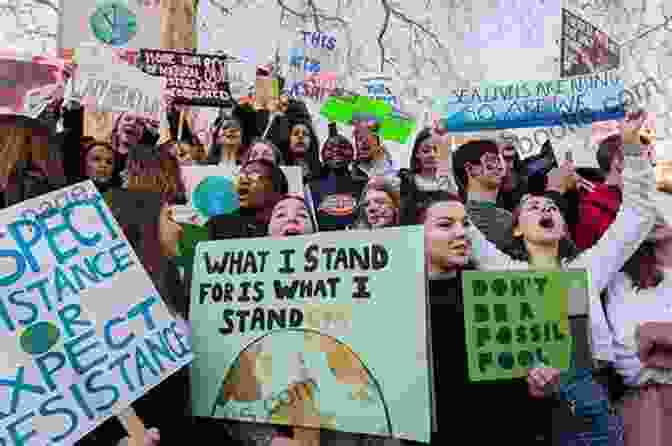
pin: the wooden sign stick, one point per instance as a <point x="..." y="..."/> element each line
<point x="134" y="426"/>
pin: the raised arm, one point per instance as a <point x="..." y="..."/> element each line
<point x="633" y="223"/>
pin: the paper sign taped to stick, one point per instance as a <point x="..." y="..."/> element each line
<point x="577" y="101"/>
<point x="514" y="319"/>
<point x="119" y="88"/>
<point x="83" y="331"/>
<point x="274" y="318"/>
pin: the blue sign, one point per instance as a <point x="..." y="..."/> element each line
<point x="579" y="101"/>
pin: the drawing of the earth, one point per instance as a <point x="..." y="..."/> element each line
<point x="216" y="196"/>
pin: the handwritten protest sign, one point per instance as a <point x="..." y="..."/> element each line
<point x="378" y="87"/>
<point x="192" y="79"/>
<point x="513" y="319"/>
<point x="273" y="314"/>
<point x="582" y="100"/>
<point x="29" y="83"/>
<point x="84" y="332"/>
<point x="118" y="88"/>
<point x="394" y="126"/>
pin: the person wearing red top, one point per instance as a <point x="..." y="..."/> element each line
<point x="598" y="208"/>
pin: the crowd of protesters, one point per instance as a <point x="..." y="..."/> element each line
<point x="481" y="207"/>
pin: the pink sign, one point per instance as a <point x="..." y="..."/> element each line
<point x="21" y="75"/>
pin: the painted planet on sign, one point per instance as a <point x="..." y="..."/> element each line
<point x="39" y="338"/>
<point x="216" y="196"/>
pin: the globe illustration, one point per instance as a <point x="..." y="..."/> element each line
<point x="216" y="196"/>
<point x="343" y="392"/>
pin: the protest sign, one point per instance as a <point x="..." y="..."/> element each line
<point x="394" y="126"/>
<point x="314" y="52"/>
<point x="270" y="314"/>
<point x="192" y="79"/>
<point x="118" y="24"/>
<point x="84" y="331"/>
<point x="514" y="319"/>
<point x="118" y="88"/>
<point x="584" y="48"/>
<point x="378" y="87"/>
<point x="211" y="190"/>
<point x="28" y="84"/>
<point x="582" y="100"/>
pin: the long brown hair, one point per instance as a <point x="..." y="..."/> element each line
<point x="642" y="268"/>
<point x="22" y="141"/>
<point x="157" y="171"/>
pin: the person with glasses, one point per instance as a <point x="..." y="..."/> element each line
<point x="335" y="193"/>
<point x="260" y="185"/>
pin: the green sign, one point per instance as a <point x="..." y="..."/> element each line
<point x="393" y="127"/>
<point x="514" y="320"/>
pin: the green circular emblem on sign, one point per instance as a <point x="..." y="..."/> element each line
<point x="39" y="338"/>
<point x="113" y="23"/>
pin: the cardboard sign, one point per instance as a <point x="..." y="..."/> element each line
<point x="29" y="84"/>
<point x="118" y="88"/>
<point x="83" y="328"/>
<point x="271" y="316"/>
<point x="393" y="126"/>
<point x="192" y="79"/>
<point x="516" y="319"/>
<point x="494" y="106"/>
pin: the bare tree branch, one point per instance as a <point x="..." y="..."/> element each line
<point x="48" y="4"/>
<point x="223" y="9"/>
<point x="383" y="30"/>
<point x="316" y="20"/>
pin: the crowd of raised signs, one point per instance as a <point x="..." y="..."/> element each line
<point x="481" y="208"/>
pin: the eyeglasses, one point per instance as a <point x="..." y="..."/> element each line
<point x="253" y="177"/>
